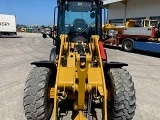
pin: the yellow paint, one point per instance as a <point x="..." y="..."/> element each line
<point x="73" y="78"/>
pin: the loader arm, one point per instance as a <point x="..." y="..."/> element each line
<point x="81" y="74"/>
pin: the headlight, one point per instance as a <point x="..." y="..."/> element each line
<point x="112" y="33"/>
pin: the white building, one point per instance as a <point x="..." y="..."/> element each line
<point x="118" y="12"/>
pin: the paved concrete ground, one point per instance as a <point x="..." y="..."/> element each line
<point x="17" y="53"/>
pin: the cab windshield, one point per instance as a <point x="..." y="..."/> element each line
<point x="77" y="17"/>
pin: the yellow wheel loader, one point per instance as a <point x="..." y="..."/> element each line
<point x="77" y="82"/>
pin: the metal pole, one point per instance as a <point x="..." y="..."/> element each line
<point x="104" y="16"/>
<point x="124" y="21"/>
<point x="54" y="22"/>
<point x="107" y="16"/>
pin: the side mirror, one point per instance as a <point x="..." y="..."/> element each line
<point x="47" y="32"/>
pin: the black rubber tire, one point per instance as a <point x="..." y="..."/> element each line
<point x="127" y="46"/>
<point x="44" y="36"/>
<point x="122" y="103"/>
<point x="53" y="55"/>
<point x="37" y="105"/>
<point x="50" y="35"/>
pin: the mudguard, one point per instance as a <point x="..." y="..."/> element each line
<point x="110" y="65"/>
<point x="46" y="64"/>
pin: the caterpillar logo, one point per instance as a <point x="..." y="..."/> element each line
<point x="4" y="24"/>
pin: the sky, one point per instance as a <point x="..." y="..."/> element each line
<point x="30" y="12"/>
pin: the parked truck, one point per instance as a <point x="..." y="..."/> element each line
<point x="8" y="25"/>
<point x="144" y="38"/>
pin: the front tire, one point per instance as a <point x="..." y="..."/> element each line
<point x="122" y="100"/>
<point x="37" y="104"/>
<point x="53" y="55"/>
<point x="44" y="36"/>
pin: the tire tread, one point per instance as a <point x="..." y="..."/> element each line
<point x="35" y="93"/>
<point x="124" y="94"/>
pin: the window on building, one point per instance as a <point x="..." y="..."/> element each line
<point x="138" y="20"/>
<point x="154" y="17"/>
<point x="116" y="21"/>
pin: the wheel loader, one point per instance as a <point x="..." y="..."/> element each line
<point x="78" y="82"/>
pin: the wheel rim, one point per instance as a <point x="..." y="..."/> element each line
<point x="128" y="45"/>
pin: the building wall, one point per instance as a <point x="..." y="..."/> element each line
<point x="135" y="9"/>
<point x="116" y="10"/>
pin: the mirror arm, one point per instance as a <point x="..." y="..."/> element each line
<point x="55" y="15"/>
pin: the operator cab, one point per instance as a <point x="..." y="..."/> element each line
<point x="83" y="19"/>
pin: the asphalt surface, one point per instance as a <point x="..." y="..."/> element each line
<point x="16" y="54"/>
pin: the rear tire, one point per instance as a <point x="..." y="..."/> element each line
<point x="127" y="46"/>
<point x="122" y="100"/>
<point x="37" y="104"/>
